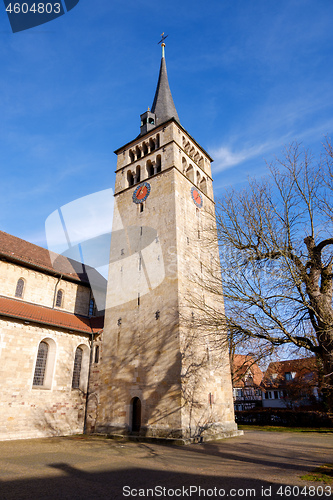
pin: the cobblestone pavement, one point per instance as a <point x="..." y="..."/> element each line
<point x="255" y="465"/>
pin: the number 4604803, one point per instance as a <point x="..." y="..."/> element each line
<point x="35" y="8"/>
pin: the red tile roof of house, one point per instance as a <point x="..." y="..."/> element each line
<point x="53" y="317"/>
<point x="301" y="367"/>
<point x="241" y="365"/>
<point x="21" y="251"/>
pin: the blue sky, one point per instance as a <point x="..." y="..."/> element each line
<point x="247" y="78"/>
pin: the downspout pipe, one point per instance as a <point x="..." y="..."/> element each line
<point x="55" y="290"/>
<point x="89" y="373"/>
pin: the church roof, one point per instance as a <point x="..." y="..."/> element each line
<point x="163" y="105"/>
<point x="21" y="251"/>
<point x="44" y="315"/>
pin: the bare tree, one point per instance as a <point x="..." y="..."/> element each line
<point x="276" y="240"/>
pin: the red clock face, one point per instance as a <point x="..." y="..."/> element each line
<point x="141" y="193"/>
<point x="196" y="196"/>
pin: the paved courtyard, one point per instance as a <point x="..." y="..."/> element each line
<point x="251" y="466"/>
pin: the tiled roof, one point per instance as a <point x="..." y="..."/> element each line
<point x="275" y="374"/>
<point x="243" y="365"/>
<point x="39" y="314"/>
<point x="21" y="251"/>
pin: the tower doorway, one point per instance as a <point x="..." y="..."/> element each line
<point x="136" y="414"/>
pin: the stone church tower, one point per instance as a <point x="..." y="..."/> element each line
<point x="162" y="375"/>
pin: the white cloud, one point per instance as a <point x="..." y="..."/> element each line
<point x="225" y="158"/>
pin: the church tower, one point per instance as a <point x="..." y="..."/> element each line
<point x="162" y="374"/>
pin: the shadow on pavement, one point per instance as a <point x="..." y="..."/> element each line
<point x="76" y="484"/>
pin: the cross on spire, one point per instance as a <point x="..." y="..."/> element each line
<point x="162" y="43"/>
<point x="163" y="38"/>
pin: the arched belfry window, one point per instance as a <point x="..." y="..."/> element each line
<point x="60" y="298"/>
<point x="151" y="144"/>
<point x="190" y="173"/>
<point x="149" y="168"/>
<point x="138" y="152"/>
<point x="203" y="185"/>
<point x="144" y="149"/>
<point x="40" y="367"/>
<point x="130" y="178"/>
<point x="138" y="173"/>
<point x="158" y="163"/>
<point x="77" y="368"/>
<point x="19" y="288"/>
<point x="131" y="156"/>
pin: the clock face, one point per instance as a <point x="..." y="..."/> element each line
<point x="141" y="193"/>
<point x="196" y="197"/>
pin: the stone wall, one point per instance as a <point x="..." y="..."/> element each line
<point x="41" y="288"/>
<point x="27" y="411"/>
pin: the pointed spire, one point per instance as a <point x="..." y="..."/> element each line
<point x="163" y="105"/>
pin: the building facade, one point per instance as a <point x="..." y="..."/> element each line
<point x="246" y="382"/>
<point x="46" y="329"/>
<point x="291" y="383"/>
<point x="150" y="371"/>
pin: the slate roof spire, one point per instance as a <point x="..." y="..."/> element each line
<point x="163" y="105"/>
